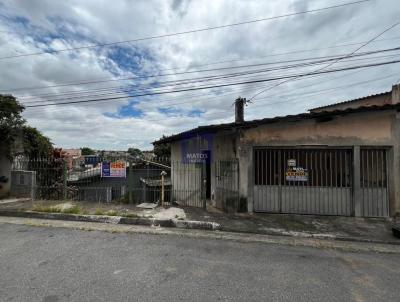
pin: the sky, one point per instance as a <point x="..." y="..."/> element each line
<point x="41" y="26"/>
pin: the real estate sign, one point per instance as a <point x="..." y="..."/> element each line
<point x="113" y="169"/>
<point x="296" y="174"/>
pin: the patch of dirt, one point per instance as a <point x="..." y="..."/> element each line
<point x="95" y="208"/>
<point x="170" y="213"/>
<point x="64" y="206"/>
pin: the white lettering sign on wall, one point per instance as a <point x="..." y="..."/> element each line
<point x="196" y="157"/>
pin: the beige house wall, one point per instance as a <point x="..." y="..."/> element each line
<point x="373" y="128"/>
<point x="379" y="128"/>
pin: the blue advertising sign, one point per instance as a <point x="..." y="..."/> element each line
<point x="197" y="149"/>
<point x="105" y="169"/>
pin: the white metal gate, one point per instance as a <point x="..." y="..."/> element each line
<point x="303" y="181"/>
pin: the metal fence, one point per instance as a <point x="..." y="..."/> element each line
<point x="57" y="178"/>
<point x="50" y="173"/>
<point x="187" y="187"/>
<point x="227" y="185"/>
<point x="186" y="184"/>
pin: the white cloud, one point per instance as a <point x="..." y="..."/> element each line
<point x="67" y="24"/>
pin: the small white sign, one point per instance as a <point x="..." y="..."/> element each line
<point x="291" y="163"/>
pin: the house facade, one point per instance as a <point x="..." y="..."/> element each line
<point x="341" y="159"/>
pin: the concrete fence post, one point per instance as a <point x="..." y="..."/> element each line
<point x="65" y="184"/>
<point x="144" y="198"/>
<point x="130" y="182"/>
<point x="163" y="173"/>
<point x="204" y="185"/>
<point x="248" y="172"/>
<point x="357" y="194"/>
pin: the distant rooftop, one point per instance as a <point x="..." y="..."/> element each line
<point x="387" y="93"/>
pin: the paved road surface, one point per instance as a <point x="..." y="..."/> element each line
<point x="56" y="264"/>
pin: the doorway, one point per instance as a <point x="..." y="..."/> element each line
<point x="207" y="173"/>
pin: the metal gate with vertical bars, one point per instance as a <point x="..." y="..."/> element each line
<point x="373" y="182"/>
<point x="326" y="189"/>
<point x="227" y="185"/>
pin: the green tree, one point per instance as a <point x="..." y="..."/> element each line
<point x="87" y="151"/>
<point x="14" y="131"/>
<point x="135" y="152"/>
<point x="17" y="137"/>
<point x="162" y="150"/>
<point x="35" y="144"/>
<point x="11" y="122"/>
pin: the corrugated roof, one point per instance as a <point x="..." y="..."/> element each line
<point x="287" y="118"/>
<point x="353" y="100"/>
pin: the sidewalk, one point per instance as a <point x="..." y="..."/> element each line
<point x="327" y="227"/>
<point x="301" y="226"/>
<point x="346" y="246"/>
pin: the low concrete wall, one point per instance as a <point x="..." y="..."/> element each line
<point x="23" y="184"/>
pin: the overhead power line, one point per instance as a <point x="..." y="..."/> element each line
<point x="186" y="32"/>
<point x="216" y="86"/>
<point x="319" y="91"/>
<point x="290" y="100"/>
<point x="197" y="98"/>
<point x="141" y="91"/>
<point x="334" y="62"/>
<point x="183" y="82"/>
<point x="322" y="58"/>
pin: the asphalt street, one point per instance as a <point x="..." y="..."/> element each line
<point x="57" y="264"/>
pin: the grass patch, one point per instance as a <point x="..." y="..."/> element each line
<point x="45" y="209"/>
<point x="112" y="213"/>
<point x="129" y="215"/>
<point x="54" y="209"/>
<point x="73" y="210"/>
<point x="99" y="212"/>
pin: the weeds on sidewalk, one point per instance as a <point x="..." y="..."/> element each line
<point x="129" y="215"/>
<point x="54" y="209"/>
<point x="112" y="213"/>
<point x="76" y="209"/>
<point x="100" y="211"/>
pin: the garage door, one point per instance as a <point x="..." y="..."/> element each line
<point x="303" y="181"/>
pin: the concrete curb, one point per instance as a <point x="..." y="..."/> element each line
<point x="174" y="223"/>
<point x="183" y="224"/>
<point x="311" y="236"/>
